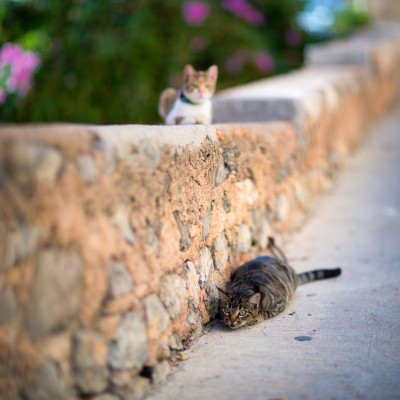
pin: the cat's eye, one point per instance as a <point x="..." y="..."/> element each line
<point x="227" y="310"/>
<point x="195" y="86"/>
<point x="242" y="312"/>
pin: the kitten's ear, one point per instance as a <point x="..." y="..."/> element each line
<point x="223" y="294"/>
<point x="254" y="299"/>
<point x="213" y="72"/>
<point x="188" y="71"/>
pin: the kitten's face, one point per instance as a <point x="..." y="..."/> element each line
<point x="237" y="311"/>
<point x="199" y="86"/>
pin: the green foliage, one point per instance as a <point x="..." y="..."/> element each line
<point x="107" y="61"/>
<point x="5" y="74"/>
<point x="349" y="19"/>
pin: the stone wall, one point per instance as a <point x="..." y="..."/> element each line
<point x="113" y="238"/>
<point x="384" y="10"/>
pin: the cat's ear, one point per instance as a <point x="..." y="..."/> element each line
<point x="223" y="294"/>
<point x="213" y="72"/>
<point x="254" y="299"/>
<point x="188" y="72"/>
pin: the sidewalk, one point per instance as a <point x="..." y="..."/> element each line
<point x="348" y="327"/>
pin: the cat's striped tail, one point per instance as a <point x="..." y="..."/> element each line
<point x="317" y="274"/>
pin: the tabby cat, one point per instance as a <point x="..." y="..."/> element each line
<point x="191" y="104"/>
<point x="263" y="288"/>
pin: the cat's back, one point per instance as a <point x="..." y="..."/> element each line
<point x="167" y="100"/>
<point x="265" y="272"/>
<point x="272" y="278"/>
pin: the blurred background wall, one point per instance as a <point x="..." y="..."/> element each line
<point x="385" y="10"/>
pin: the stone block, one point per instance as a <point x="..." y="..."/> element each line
<point x="247" y="191"/>
<point x="220" y="175"/>
<point x="155" y="311"/>
<point x="108" y="151"/>
<point x="225" y="203"/>
<point x="160" y="372"/>
<point x="192" y="283"/>
<point x="152" y="240"/>
<point x="90" y="354"/>
<point x="55" y="295"/>
<point x="128" y="350"/>
<point x="244" y="238"/>
<point x="19" y="244"/>
<point x="58" y="348"/>
<point x="173" y="294"/>
<point x="206" y="223"/>
<point x="205" y="269"/>
<point x="219" y="251"/>
<point x="122" y="220"/>
<point x="30" y="161"/>
<point x="129" y="387"/>
<point x="108" y="325"/>
<point x="183" y="228"/>
<point x="163" y="351"/>
<point x="106" y="396"/>
<point x="120" y="280"/>
<point x="8" y="305"/>
<point x="46" y="385"/>
<point x="87" y="168"/>
<point x="175" y="342"/>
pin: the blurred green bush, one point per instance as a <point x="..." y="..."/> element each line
<point x="107" y="61"/>
<point x="350" y="19"/>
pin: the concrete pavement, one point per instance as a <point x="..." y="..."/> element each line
<point x="340" y="338"/>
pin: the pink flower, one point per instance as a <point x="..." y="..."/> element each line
<point x="195" y="12"/>
<point x="264" y="62"/>
<point x="10" y="53"/>
<point x="23" y="65"/>
<point x="254" y="17"/>
<point x="237" y="7"/>
<point x="293" y="37"/>
<point x="242" y="9"/>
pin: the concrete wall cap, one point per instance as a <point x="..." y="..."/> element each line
<point x="174" y="135"/>
<point x="291" y="97"/>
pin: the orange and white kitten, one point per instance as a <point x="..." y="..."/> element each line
<point x="191" y="104"/>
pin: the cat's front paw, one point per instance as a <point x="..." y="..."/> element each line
<point x="203" y="120"/>
<point x="187" y="121"/>
<point x="256" y="320"/>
